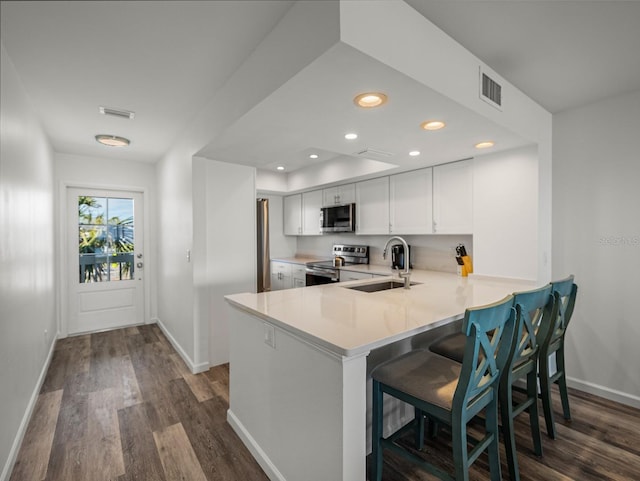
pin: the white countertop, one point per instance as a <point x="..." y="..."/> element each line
<point x="299" y="259"/>
<point x="350" y="322"/>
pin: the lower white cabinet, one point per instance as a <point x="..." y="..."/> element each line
<point x="299" y="275"/>
<point x="281" y="276"/>
<point x="285" y="275"/>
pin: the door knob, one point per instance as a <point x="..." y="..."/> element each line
<point x="139" y="265"/>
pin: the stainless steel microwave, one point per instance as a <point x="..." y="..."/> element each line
<point x="338" y="218"/>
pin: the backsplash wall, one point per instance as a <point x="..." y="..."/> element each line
<point x="432" y="252"/>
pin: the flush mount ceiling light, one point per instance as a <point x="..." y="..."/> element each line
<point x="370" y="99"/>
<point x="485" y="145"/>
<point x="280" y="167"/>
<point x="313" y="156"/>
<point x="414" y="153"/>
<point x="112" y="140"/>
<point x="351" y="136"/>
<point x="432" y="125"/>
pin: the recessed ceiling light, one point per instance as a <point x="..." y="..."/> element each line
<point x="370" y="99"/>
<point x="414" y="153"/>
<point x="351" y="136"/>
<point x="280" y="167"/>
<point x="112" y="140"/>
<point x="485" y="145"/>
<point x="313" y="156"/>
<point x="433" y="124"/>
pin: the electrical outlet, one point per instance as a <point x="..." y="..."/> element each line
<point x="269" y="335"/>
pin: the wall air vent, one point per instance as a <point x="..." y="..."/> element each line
<point x="123" y="114"/>
<point x="490" y="90"/>
<point x="371" y="152"/>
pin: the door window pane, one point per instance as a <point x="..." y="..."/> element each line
<point x="105" y="239"/>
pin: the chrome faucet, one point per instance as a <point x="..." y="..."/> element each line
<point x="406" y="274"/>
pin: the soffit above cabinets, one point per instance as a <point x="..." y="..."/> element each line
<point x="313" y="111"/>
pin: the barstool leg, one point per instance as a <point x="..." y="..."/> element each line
<point x="493" y="449"/>
<point x="376" y="433"/>
<point x="545" y="392"/>
<point x="534" y="420"/>
<point x="506" y="414"/>
<point x="419" y="422"/>
<point x="459" y="445"/>
<point x="562" y="383"/>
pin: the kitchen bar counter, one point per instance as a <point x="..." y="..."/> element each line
<point x="300" y="358"/>
<point x="348" y="322"/>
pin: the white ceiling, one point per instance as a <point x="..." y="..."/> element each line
<point x="165" y="59"/>
<point x="161" y="59"/>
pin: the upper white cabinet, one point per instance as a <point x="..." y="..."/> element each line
<point x="302" y="213"/>
<point x="311" y="205"/>
<point x="453" y="198"/>
<point x="372" y="206"/>
<point x="342" y="194"/>
<point x="411" y="202"/>
<point x="293" y="214"/>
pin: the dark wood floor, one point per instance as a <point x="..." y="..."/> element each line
<point x="122" y="406"/>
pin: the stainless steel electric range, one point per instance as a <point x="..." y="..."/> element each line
<point x="326" y="272"/>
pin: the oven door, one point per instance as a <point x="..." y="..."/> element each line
<point x="316" y="276"/>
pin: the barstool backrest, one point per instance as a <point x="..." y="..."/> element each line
<point x="564" y="292"/>
<point x="489" y="330"/>
<point x="536" y="310"/>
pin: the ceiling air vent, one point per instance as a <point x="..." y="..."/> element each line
<point x="123" y="114"/>
<point x="371" y="152"/>
<point x="490" y="90"/>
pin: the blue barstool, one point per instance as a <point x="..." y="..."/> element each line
<point x="448" y="392"/>
<point x="565" y="292"/>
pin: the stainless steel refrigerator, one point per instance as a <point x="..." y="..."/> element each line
<point x="264" y="265"/>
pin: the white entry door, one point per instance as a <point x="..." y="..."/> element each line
<point x="106" y="275"/>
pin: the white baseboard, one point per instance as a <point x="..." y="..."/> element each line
<point x="17" y="442"/>
<point x="256" y="451"/>
<point x="604" y="392"/>
<point x="193" y="367"/>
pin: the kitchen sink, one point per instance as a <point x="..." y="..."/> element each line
<point x="380" y="286"/>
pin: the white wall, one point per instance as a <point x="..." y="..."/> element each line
<point x="505" y="214"/>
<point x="224" y="256"/>
<point x="27" y="260"/>
<point x="82" y="171"/>
<point x="307" y="30"/>
<point x="596" y="236"/>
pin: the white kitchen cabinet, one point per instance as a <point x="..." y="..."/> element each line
<point x="281" y="276"/>
<point x="372" y="206"/>
<point x="411" y="202"/>
<point x="339" y="195"/>
<point x="299" y="275"/>
<point x="311" y="205"/>
<point x="354" y="275"/>
<point x="453" y="198"/>
<point x="292" y="207"/>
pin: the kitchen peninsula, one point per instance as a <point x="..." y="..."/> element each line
<point x="300" y="358"/>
